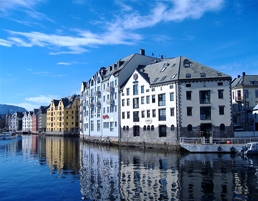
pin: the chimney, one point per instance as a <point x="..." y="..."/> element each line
<point x="161" y="56"/>
<point x="238" y="76"/>
<point x="142" y="51"/>
<point x="243" y="73"/>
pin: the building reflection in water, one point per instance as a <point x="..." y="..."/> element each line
<point x="62" y="154"/>
<point x="99" y="173"/>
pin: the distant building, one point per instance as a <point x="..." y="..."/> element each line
<point x="35" y="120"/>
<point x="27" y="121"/>
<point x="15" y="121"/>
<point x="42" y="118"/>
<point x="173" y="98"/>
<point x="63" y="116"/>
<point x="100" y="114"/>
<point x="244" y="99"/>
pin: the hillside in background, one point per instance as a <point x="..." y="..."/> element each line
<point x="4" y="109"/>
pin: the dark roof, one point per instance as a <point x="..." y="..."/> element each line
<point x="245" y="80"/>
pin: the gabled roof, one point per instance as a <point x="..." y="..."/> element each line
<point x="245" y="80"/>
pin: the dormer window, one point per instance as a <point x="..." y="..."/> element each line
<point x="163" y="78"/>
<point x="173" y="76"/>
<point x="202" y="74"/>
<point x="188" y="75"/>
<point x="186" y="63"/>
<point x="156" y="79"/>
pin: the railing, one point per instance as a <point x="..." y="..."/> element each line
<point x="193" y="140"/>
<point x="110" y="101"/>
<point x="110" y="89"/>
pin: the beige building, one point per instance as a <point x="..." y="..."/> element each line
<point x="63" y="116"/>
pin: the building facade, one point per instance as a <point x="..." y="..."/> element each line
<point x="42" y="118"/>
<point x="35" y="120"/>
<point x="173" y="98"/>
<point x="100" y="116"/>
<point x="27" y="121"/>
<point x="244" y="99"/>
<point x="63" y="116"/>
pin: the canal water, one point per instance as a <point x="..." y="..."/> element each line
<point x="54" y="168"/>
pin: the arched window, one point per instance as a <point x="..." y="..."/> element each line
<point x="152" y="128"/>
<point x="189" y="127"/>
<point x="127" y="128"/>
<point x="148" y="127"/>
<point x="186" y="63"/>
<point x="124" y="128"/>
<point x="144" y="128"/>
<point x="92" y="82"/>
<point x="222" y="127"/>
<point x="172" y="127"/>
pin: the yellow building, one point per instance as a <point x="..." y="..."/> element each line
<point x="63" y="116"/>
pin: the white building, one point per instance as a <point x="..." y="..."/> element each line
<point x="173" y="98"/>
<point x="15" y="122"/>
<point x="244" y="99"/>
<point x="27" y="121"/>
<point x="99" y="111"/>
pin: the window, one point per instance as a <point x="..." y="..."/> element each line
<point x="156" y="79"/>
<point x="189" y="111"/>
<point x="162" y="114"/>
<point x="172" y="96"/>
<point x="127" y="128"/>
<point x="136" y="103"/>
<point x="128" y="115"/>
<point x="144" y="128"/>
<point x="246" y="93"/>
<point x="162" y="99"/>
<point x="220" y="83"/>
<point x="171" y="86"/>
<point x="163" y="78"/>
<point x="143" y="114"/>
<point x="142" y="100"/>
<point x="136" y="131"/>
<point x="92" y="125"/>
<point x="153" y="98"/>
<point x="136" y="116"/>
<point x="111" y="126"/>
<point x="221" y="110"/>
<point x="152" y="89"/>
<point x="222" y="127"/>
<point x="128" y="91"/>
<point x="123" y="115"/>
<point x="162" y="131"/>
<point x="104" y="110"/>
<point x="186" y="63"/>
<point x="172" y="112"/>
<point x="148" y="113"/>
<point x="188" y="75"/>
<point x="123" y="102"/>
<point x="153" y="113"/>
<point x="172" y="127"/>
<point x="202" y="74"/>
<point x="173" y="76"/>
<point x="188" y="95"/>
<point x="204" y="97"/>
<point x="142" y="89"/>
<point x="98" y="125"/>
<point x="147" y="99"/>
<point x="220" y="94"/>
<point x="123" y="128"/>
<point x="148" y="127"/>
<point x="256" y="93"/>
<point x="205" y="113"/>
<point x="189" y="127"/>
<point x="135" y="89"/>
<point x="188" y="85"/>
<point x="152" y="128"/>
<point x="128" y="102"/>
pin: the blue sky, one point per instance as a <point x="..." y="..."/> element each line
<point x="48" y="47"/>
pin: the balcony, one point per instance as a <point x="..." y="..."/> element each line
<point x="110" y="89"/>
<point x="90" y="105"/>
<point x="110" y="101"/>
<point x="96" y="93"/>
<point x="238" y="98"/>
<point x="97" y="104"/>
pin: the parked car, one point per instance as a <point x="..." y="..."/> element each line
<point x="238" y="128"/>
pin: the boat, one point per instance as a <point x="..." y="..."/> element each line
<point x="7" y="135"/>
<point x="214" y="145"/>
<point x="250" y="148"/>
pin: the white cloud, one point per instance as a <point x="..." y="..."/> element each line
<point x="64" y="63"/>
<point x="42" y="99"/>
<point x="118" y="31"/>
